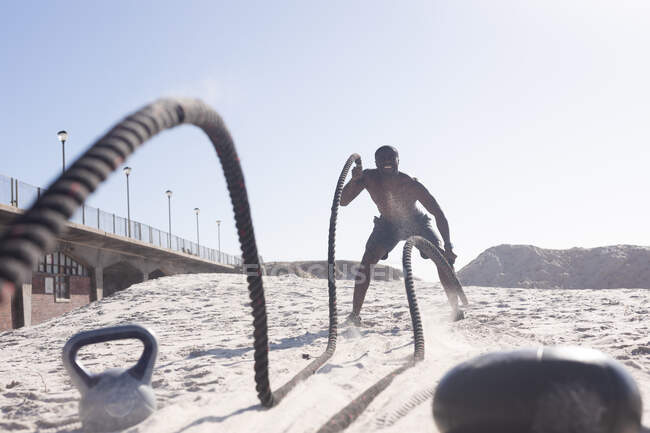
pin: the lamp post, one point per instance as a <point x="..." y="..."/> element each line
<point x="62" y="136"/>
<point x="169" y="207"/>
<point x="198" y="244"/>
<point x="127" y="171"/>
<point x="219" y="239"/>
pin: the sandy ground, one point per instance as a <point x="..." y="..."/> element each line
<point x="204" y="375"/>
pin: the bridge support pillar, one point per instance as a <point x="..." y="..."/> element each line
<point x="145" y="276"/>
<point x="99" y="283"/>
<point x="27" y="302"/>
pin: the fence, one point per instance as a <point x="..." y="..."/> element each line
<point x="21" y="195"/>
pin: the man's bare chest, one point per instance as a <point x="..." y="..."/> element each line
<point x="390" y="191"/>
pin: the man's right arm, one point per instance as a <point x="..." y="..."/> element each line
<point x="354" y="187"/>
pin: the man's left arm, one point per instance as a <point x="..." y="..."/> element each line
<point x="432" y="206"/>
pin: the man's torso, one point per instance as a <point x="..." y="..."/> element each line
<point x="394" y="195"/>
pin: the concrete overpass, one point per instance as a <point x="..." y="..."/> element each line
<point x="110" y="262"/>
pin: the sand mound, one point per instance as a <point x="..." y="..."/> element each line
<point x="203" y="378"/>
<point x="576" y="268"/>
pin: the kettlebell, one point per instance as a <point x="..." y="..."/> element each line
<point x="550" y="389"/>
<point x="117" y="398"/>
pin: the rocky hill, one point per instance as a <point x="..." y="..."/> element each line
<point x="618" y="266"/>
<point x="345" y="270"/>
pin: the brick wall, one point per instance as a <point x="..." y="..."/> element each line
<point x="80" y="286"/>
<point x="5" y="315"/>
<point x="43" y="305"/>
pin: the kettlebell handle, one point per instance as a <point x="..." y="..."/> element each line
<point x="142" y="370"/>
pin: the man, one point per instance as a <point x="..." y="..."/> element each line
<point x="395" y="195"/>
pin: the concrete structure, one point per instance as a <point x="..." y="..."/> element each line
<point x="88" y="264"/>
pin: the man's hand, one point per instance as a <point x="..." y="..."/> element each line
<point x="354" y="187"/>
<point x="449" y="255"/>
<point x="357" y="172"/>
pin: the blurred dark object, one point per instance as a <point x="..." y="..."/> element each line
<point x="545" y="390"/>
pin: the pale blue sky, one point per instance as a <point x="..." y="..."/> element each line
<point x="528" y="121"/>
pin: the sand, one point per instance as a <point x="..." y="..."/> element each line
<point x="204" y="374"/>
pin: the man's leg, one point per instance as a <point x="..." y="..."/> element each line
<point x="362" y="280"/>
<point x="447" y="284"/>
<point x="381" y="241"/>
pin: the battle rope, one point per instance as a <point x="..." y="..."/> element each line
<point x="34" y="232"/>
<point x="351" y="412"/>
<point x="331" y="284"/>
<point x="433" y="253"/>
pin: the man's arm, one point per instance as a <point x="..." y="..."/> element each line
<point x="354" y="187"/>
<point x="431" y="205"/>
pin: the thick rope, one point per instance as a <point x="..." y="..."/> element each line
<point x="35" y="232"/>
<point x="331" y="283"/>
<point x="430" y="251"/>
<point x="346" y="416"/>
<point x="433" y="253"/>
<point x="351" y="412"/>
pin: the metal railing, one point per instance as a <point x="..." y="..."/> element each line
<point x="21" y="195"/>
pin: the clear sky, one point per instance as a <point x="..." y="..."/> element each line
<point x="528" y="121"/>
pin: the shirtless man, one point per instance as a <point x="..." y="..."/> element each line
<point x="395" y="194"/>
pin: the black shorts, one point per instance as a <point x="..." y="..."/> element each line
<point x="386" y="235"/>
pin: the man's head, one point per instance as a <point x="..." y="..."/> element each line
<point x="387" y="159"/>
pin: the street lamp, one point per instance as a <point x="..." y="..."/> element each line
<point x="198" y="244"/>
<point x="219" y="239"/>
<point x="127" y="171"/>
<point x="169" y="205"/>
<point x="62" y="136"/>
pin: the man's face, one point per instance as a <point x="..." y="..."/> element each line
<point x="387" y="162"/>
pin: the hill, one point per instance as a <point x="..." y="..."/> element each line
<point x="527" y="266"/>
